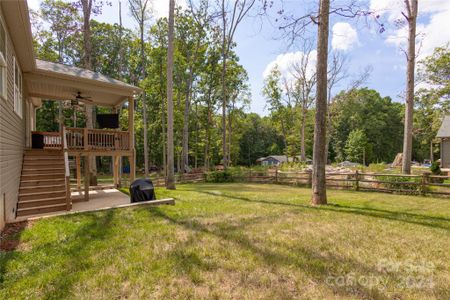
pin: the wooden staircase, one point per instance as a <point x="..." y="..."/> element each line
<point x="43" y="183"/>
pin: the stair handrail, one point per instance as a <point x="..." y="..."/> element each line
<point x="66" y="167"/>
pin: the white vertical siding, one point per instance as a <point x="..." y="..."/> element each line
<point x="12" y="143"/>
<point x="445" y="153"/>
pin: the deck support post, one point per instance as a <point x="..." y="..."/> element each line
<point x="78" y="173"/>
<point x="132" y="157"/>
<point x="116" y="176"/>
<point x="86" y="177"/>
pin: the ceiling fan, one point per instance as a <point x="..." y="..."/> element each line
<point x="80" y="98"/>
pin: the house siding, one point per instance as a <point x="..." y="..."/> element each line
<point x="12" y="141"/>
<point x="445" y="153"/>
<point x="270" y="161"/>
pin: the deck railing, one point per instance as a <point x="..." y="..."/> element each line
<point x="66" y="168"/>
<point x="88" y="139"/>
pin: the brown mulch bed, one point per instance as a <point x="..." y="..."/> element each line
<point x="9" y="237"/>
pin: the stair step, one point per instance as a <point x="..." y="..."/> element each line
<point x="41" y="202"/>
<point x="42" y="188"/>
<point x="44" y="162"/>
<point x="31" y="176"/>
<point x="37" y="171"/>
<point x="38" y="152"/>
<point x="41" y="182"/>
<point x="21" y="212"/>
<point x="43" y="157"/>
<point x="42" y="165"/>
<point x="40" y="195"/>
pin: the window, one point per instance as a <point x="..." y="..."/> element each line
<point x="17" y="89"/>
<point x="3" y="73"/>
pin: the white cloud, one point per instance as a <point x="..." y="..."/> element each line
<point x="286" y="62"/>
<point x="344" y="37"/>
<point x="34" y="4"/>
<point x="160" y="8"/>
<point x="434" y="19"/>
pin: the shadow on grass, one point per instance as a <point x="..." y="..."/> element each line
<point x="317" y="265"/>
<point x="9" y="241"/>
<point x="417" y="219"/>
<point x="63" y="260"/>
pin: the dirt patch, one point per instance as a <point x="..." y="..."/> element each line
<point x="9" y="237"/>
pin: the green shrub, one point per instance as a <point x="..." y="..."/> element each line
<point x="219" y="177"/>
<point x="293" y="166"/>
<point x="401" y="183"/>
<point x="435" y="168"/>
<point x="377" y="168"/>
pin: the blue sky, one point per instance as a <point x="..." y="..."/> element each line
<point x="259" y="45"/>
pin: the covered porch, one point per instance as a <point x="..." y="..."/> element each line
<point x="81" y="145"/>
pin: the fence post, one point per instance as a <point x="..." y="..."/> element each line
<point x="309" y="178"/>
<point x="249" y="175"/>
<point x="276" y="174"/>
<point x="425" y="180"/>
<point x="357" y="180"/>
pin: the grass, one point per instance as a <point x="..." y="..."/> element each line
<point x="244" y="241"/>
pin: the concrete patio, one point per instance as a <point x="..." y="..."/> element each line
<point x="99" y="200"/>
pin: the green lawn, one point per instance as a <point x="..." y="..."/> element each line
<point x="241" y="241"/>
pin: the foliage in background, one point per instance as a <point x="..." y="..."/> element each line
<point x="378" y="117"/>
<point x="435" y="168"/>
<point x="401" y="183"/>
<point x="219" y="176"/>
<point x="58" y="38"/>
<point x="357" y="147"/>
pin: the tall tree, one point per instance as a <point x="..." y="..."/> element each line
<point x="87" y="7"/>
<point x="231" y="15"/>
<point x="319" y="195"/>
<point x="305" y="84"/>
<point x="63" y="19"/>
<point x="140" y="10"/>
<point x="170" y="182"/>
<point x="364" y="109"/>
<point x="411" y="7"/>
<point x="273" y="93"/>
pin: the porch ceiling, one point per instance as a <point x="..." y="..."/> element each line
<point x="60" y="82"/>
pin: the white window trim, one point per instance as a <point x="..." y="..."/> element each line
<point x="4" y="64"/>
<point x="18" y="91"/>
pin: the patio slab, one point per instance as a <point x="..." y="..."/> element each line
<point x="98" y="200"/>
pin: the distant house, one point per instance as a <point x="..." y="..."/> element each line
<point x="276" y="160"/>
<point x="444" y="135"/>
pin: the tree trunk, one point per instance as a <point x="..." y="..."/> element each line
<point x="230" y="131"/>
<point x="170" y="183"/>
<point x="208" y="135"/>
<point x="302" y="139"/>
<point x="60" y="115"/>
<point x="163" y="118"/>
<point x="87" y="64"/>
<point x="185" y="137"/>
<point x="411" y="6"/>
<point x="431" y="151"/>
<point x="319" y="195"/>
<point x="224" y="107"/>
<point x="144" y="100"/>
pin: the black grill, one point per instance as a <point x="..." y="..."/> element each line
<point x="142" y="190"/>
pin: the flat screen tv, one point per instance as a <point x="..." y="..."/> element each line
<point x="108" y="120"/>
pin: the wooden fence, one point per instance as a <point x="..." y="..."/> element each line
<point x="425" y="184"/>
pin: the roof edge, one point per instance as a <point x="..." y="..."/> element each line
<point x="128" y="87"/>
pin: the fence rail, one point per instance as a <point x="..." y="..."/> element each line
<point x="424" y="184"/>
